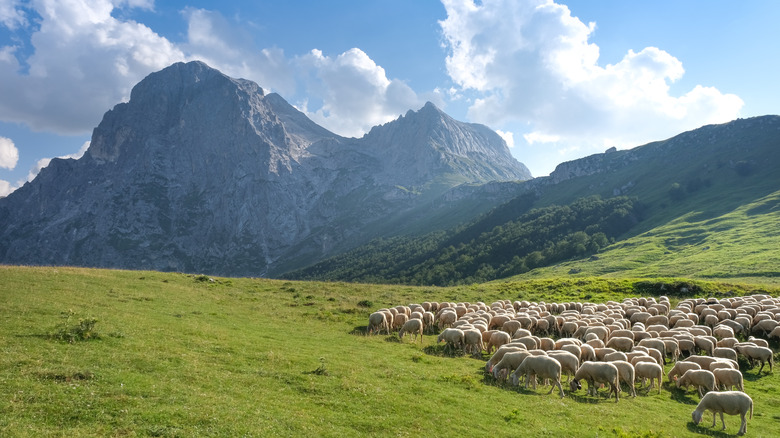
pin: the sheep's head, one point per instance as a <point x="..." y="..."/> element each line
<point x="575" y="384"/>
<point x="696" y="416"/>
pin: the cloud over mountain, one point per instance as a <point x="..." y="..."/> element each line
<point x="531" y="62"/>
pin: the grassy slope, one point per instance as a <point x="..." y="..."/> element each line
<point x="740" y="245"/>
<point x="237" y="357"/>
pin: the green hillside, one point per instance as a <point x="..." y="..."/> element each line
<point x="659" y="205"/>
<point x="175" y="355"/>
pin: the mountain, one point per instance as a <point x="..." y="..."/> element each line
<point x="200" y="172"/>
<point x="702" y="203"/>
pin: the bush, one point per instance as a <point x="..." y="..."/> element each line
<point x="69" y="332"/>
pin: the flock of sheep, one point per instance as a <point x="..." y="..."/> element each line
<point x="608" y="344"/>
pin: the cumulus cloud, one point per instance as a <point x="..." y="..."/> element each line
<point x="531" y="62"/>
<point x="11" y="14"/>
<point x="84" y="62"/>
<point x="354" y="91"/>
<point x="9" y="155"/>
<point x="508" y="137"/>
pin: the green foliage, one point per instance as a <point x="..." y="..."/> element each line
<point x="539" y="237"/>
<point x="225" y="361"/>
<point x="70" y="331"/>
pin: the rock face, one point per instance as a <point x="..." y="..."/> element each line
<point x="200" y="172"/>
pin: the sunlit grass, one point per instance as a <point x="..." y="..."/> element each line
<point x="181" y="356"/>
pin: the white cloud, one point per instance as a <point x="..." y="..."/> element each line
<point x="5" y="188"/>
<point x="531" y="62"/>
<point x="11" y="14"/>
<point x="9" y="155"/>
<point x="508" y="137"/>
<point x="84" y="62"/>
<point x="355" y="92"/>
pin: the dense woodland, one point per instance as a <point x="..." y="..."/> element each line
<point x="505" y="242"/>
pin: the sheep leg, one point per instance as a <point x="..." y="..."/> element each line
<point x="743" y="426"/>
<point x="721" y="420"/>
<point x="714" y="418"/>
<point x="762" y="367"/>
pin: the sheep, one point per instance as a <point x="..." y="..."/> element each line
<point x="626" y="373"/>
<point x="412" y="326"/>
<point x="499" y="354"/>
<point x="702" y="379"/>
<point x="454" y="338"/>
<point x="680" y="368"/>
<point x="472" y="339"/>
<point x="510" y="361"/>
<point x="539" y="366"/>
<point x="569" y="362"/>
<point x="725" y="352"/>
<point x="618" y="355"/>
<point x="758" y="341"/>
<point x="446" y="318"/>
<point x="621" y="344"/>
<point x="728" y="402"/>
<point x="399" y="320"/>
<point x="649" y="370"/>
<point x="728" y="378"/>
<point x="754" y="352"/>
<point x="597" y="372"/>
<point x="497" y="339"/>
<point x="377" y="321"/>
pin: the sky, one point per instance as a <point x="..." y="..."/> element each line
<point x="558" y="80"/>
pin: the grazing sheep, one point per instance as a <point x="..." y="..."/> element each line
<point x="728" y="378"/>
<point x="680" y="368"/>
<point x="754" y="352"/>
<point x="727" y="402"/>
<point x="529" y="342"/>
<point x="510" y="361"/>
<point x="758" y="341"/>
<point x="413" y="326"/>
<point x="453" y="338"/>
<point x="539" y="366"/>
<point x="447" y="318"/>
<point x="626" y="373"/>
<point x="725" y="352"/>
<point x="621" y="344"/>
<point x="618" y="355"/>
<point x="701" y="379"/>
<point x="597" y="372"/>
<point x="499" y="354"/>
<point x="399" y="320"/>
<point x="497" y="339"/>
<point x="472" y="340"/>
<point x="569" y="362"/>
<point x="377" y="321"/>
<point x="649" y="370"/>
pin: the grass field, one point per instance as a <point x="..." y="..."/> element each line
<point x="182" y="356"/>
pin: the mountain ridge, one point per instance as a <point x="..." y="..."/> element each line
<point x="200" y="172"/>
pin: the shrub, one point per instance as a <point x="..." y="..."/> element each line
<point x="72" y="332"/>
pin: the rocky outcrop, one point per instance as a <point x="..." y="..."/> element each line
<point x="200" y="172"/>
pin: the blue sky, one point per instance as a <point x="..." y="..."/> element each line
<point x="559" y="80"/>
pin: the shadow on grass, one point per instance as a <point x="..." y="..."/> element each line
<point x="681" y="396"/>
<point x="443" y="351"/>
<point x="359" y="330"/>
<point x="704" y="429"/>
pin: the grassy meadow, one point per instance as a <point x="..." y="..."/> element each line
<point x="178" y="355"/>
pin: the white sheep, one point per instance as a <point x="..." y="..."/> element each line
<point x="499" y="354"/>
<point x="497" y="339"/>
<point x="649" y="370"/>
<point x="413" y="326"/>
<point x="510" y="361"/>
<point x="701" y="379"/>
<point x="472" y="340"/>
<point x="754" y="352"/>
<point x="597" y="372"/>
<point x="569" y="362"/>
<point x="680" y="368"/>
<point x="377" y="321"/>
<point x="728" y="378"/>
<point x="539" y="366"/>
<point x="728" y="402"/>
<point x="725" y="352"/>
<point x="626" y="373"/>
<point x="454" y="338"/>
